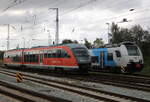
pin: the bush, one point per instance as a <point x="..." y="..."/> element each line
<point x="146" y="69"/>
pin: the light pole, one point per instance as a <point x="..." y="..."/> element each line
<point x="8" y="33"/>
<point x="108" y="34"/>
<point x="49" y="38"/>
<point x="8" y="37"/>
<point x="57" y="26"/>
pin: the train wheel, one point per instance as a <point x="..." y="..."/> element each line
<point x="59" y="70"/>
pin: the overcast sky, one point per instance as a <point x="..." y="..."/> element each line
<point x="32" y="22"/>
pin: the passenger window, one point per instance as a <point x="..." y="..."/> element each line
<point x="54" y="54"/>
<point x="49" y="55"/>
<point x="45" y="54"/>
<point x="118" y="54"/>
<point x="66" y="55"/>
<point x="59" y="53"/>
<point x="110" y="57"/>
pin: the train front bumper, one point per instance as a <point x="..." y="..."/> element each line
<point x="135" y="67"/>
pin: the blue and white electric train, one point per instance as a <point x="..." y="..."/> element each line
<point x="125" y="57"/>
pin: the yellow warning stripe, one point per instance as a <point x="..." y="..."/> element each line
<point x="19" y="77"/>
<point x="123" y="67"/>
<point x="19" y="80"/>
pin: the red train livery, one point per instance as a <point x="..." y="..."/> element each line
<point x="64" y="57"/>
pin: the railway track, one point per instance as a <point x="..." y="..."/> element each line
<point x="115" y="81"/>
<point x="126" y="81"/>
<point x="25" y="95"/>
<point x="81" y="90"/>
<point x="130" y="78"/>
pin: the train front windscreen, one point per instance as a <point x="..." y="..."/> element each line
<point x="132" y="50"/>
<point x="80" y="52"/>
<point x="82" y="55"/>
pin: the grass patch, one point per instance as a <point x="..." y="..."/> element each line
<point x="146" y="69"/>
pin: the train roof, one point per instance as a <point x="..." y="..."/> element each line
<point x="127" y="43"/>
<point x="122" y="43"/>
<point x="71" y="45"/>
<point x="116" y="45"/>
<point x="74" y="45"/>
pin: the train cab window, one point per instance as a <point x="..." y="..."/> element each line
<point x="132" y="50"/>
<point x="110" y="57"/>
<point x="80" y="52"/>
<point x="118" y="54"/>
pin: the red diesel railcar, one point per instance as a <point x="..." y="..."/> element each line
<point x="64" y="57"/>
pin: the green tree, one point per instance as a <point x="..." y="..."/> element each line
<point x="67" y="41"/>
<point x="115" y="33"/>
<point x="124" y="35"/>
<point x="87" y="43"/>
<point x="135" y="34"/>
<point x="138" y="33"/>
<point x="98" y="42"/>
<point x="75" y="41"/>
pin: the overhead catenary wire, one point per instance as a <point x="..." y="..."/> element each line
<point x="104" y="18"/>
<point x="14" y="3"/>
<point x="69" y="11"/>
<point x="90" y="2"/>
<point x="80" y="6"/>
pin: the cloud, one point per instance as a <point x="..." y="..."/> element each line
<point x="119" y="5"/>
<point x="78" y="19"/>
